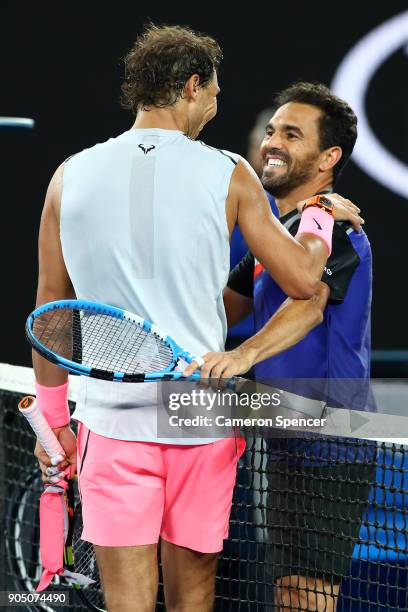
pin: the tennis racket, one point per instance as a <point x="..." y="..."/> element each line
<point x="28" y="407"/>
<point x="105" y="342"/>
<point x="79" y="556"/>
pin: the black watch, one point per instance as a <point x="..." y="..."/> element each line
<point x="321" y="202"/>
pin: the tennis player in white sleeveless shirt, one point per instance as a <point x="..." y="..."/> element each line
<point x="143" y="227"/>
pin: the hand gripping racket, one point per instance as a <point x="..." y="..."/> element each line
<point x="79" y="558"/>
<point x="28" y="407"/>
<point x="105" y="342"/>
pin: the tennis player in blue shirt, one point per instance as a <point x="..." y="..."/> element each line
<point x="307" y="143"/>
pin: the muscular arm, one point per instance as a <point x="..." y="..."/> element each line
<point x="53" y="284"/>
<point x="295" y="264"/>
<point x="292" y="322"/>
<point x="53" y="280"/>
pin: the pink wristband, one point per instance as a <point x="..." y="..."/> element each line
<point x="53" y="403"/>
<point x="316" y="221"/>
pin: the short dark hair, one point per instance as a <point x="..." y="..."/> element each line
<point x="161" y="61"/>
<point x="338" y="122"/>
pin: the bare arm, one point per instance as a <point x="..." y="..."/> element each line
<point x="292" y="322"/>
<point x="53" y="284"/>
<point x="295" y="264"/>
<point x="53" y="280"/>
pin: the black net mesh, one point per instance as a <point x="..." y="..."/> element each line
<point x="315" y="522"/>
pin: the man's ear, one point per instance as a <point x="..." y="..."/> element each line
<point x="330" y="157"/>
<point x="191" y="87"/>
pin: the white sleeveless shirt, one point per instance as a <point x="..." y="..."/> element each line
<point x="143" y="227"/>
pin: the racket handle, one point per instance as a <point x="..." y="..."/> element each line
<point x="29" y="408"/>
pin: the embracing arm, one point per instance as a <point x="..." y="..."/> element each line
<point x="295" y="264"/>
<point x="292" y="322"/>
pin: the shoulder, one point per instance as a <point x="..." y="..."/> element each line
<point x="100" y="148"/>
<point x="345" y="238"/>
<point x="359" y="240"/>
<point x="79" y="155"/>
<point x="233" y="158"/>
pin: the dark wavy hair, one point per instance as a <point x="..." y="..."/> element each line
<point x="337" y="124"/>
<point x="160" y="62"/>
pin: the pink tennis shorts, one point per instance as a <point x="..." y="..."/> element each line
<point x="135" y="492"/>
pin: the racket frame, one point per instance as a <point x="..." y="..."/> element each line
<point x="104" y="309"/>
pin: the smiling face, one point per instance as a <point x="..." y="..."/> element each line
<point x="290" y="150"/>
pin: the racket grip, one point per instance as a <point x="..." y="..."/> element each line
<point x="29" y="408"/>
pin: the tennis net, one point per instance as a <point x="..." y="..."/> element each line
<point x="316" y="522"/>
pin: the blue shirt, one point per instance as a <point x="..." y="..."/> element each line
<point x="337" y="352"/>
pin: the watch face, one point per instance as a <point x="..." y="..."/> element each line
<point x="325" y="202"/>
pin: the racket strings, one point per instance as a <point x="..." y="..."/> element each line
<point x="102" y="341"/>
<point x="54" y="331"/>
<point x="126" y="346"/>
